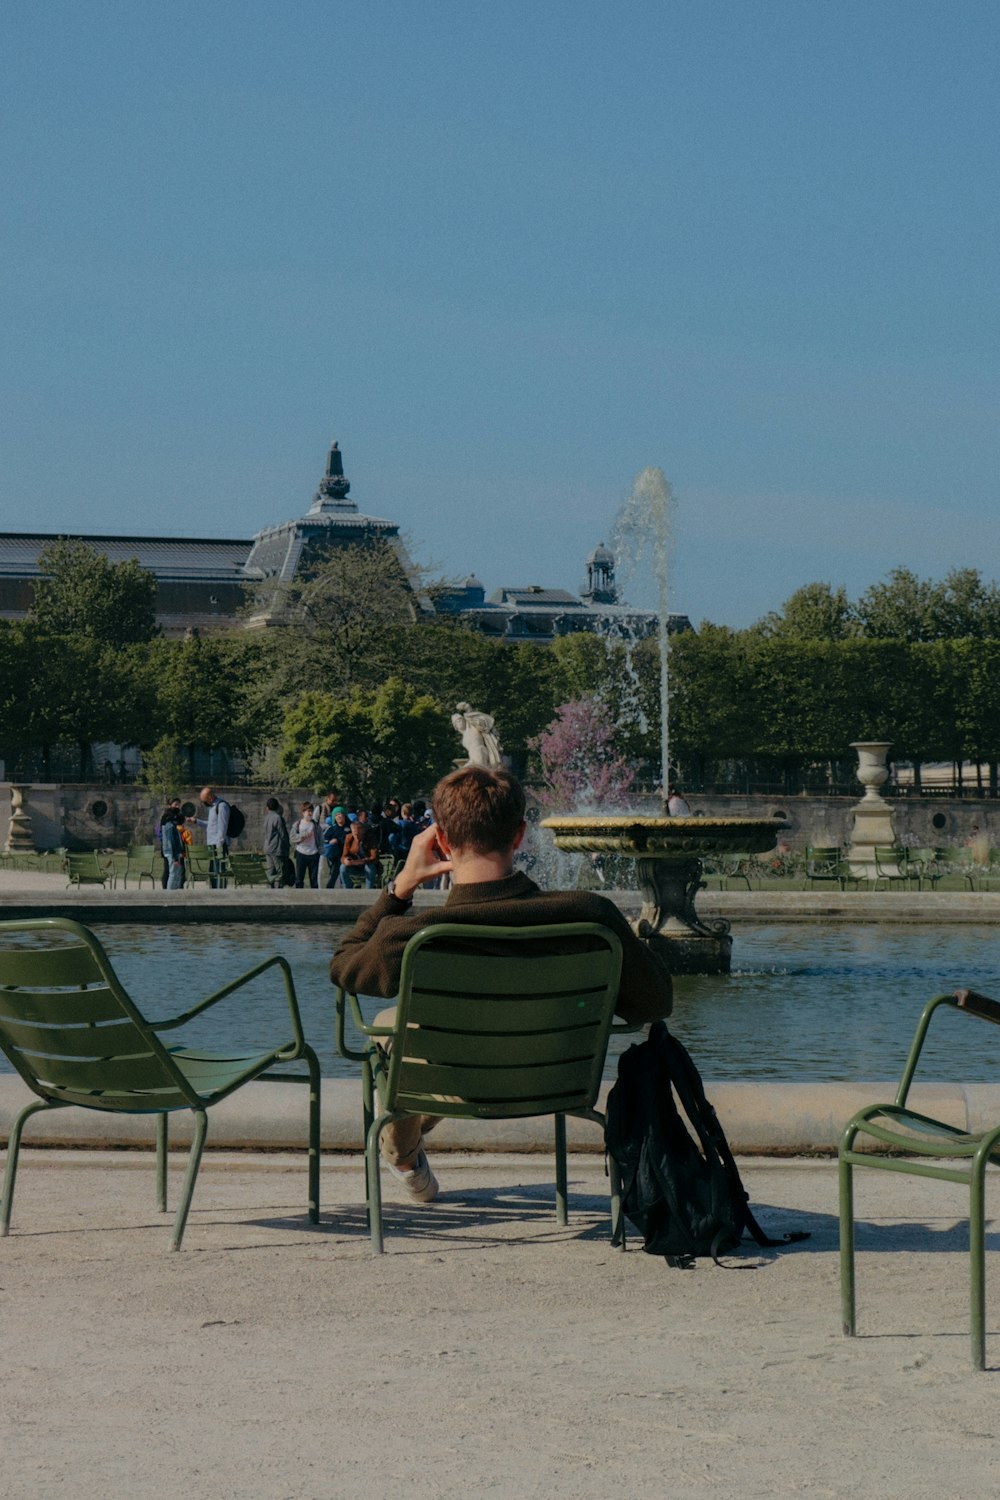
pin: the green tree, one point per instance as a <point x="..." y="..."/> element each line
<point x="368" y="745"/>
<point x="336" y="625"/>
<point x="84" y="595"/>
<point x="815" y="612"/>
<point x="164" y="770"/>
<point x="903" y="608"/>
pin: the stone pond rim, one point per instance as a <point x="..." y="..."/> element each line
<point x="668" y="854"/>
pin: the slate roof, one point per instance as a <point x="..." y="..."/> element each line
<point x="172" y="559"/>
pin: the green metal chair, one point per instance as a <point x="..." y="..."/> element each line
<point x="891" y="865"/>
<point x="736" y="867"/>
<point x="76" y="1037"/>
<point x="85" y="869"/>
<point x="925" y="864"/>
<point x="247" y="869"/>
<point x="824" y="862"/>
<point x="491" y="1023"/>
<point x="920" y="1136"/>
<point x="199" y="864"/>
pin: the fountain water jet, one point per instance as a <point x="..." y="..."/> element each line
<point x="668" y="850"/>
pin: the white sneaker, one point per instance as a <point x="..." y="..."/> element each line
<point x="419" y="1180"/>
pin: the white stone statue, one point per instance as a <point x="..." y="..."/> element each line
<point x="479" y="736"/>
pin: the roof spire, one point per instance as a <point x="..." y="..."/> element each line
<point x="333" y="485"/>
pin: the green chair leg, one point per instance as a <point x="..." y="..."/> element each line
<point x="314" y="1128"/>
<point x="374" y="1183"/>
<point x="561" y="1183"/>
<point x="161" y="1163"/>
<point x="977" y="1260"/>
<point x="847" y="1294"/>
<point x="614" y="1173"/>
<point x="13" y="1152"/>
<point x="190" y="1176"/>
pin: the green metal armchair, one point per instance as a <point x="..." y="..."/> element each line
<point x="76" y="1037"/>
<point x="824" y="863"/>
<point x="904" y="1130"/>
<point x="491" y="1023"/>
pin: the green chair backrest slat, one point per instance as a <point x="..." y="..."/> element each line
<point x="481" y="1085"/>
<point x="68" y="964"/>
<point x="119" y="1039"/>
<point x="467" y="973"/>
<point x="120" y="1074"/>
<point x="59" y="1007"/>
<point x="526" y="1104"/>
<point x="487" y="1050"/>
<point x="508" y="1013"/>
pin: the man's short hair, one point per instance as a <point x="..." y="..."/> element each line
<point x="479" y="808"/>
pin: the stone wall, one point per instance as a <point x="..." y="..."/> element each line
<point x="109" y="817"/>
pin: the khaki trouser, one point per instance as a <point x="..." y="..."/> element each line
<point x="401" y="1138"/>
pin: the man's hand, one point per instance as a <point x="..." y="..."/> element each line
<point x="425" y="861"/>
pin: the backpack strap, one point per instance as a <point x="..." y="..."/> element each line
<point x="691" y="1092"/>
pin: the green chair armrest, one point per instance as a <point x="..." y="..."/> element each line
<point x="343" y="998"/>
<point x="235" y="984"/>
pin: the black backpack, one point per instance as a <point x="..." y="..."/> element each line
<point x="683" y="1200"/>
<point x="237" y="822"/>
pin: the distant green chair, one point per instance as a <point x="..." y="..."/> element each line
<point x="926" y="865"/>
<point x="491" y="1023"/>
<point x="145" y="862"/>
<point x="735" y="867"/>
<point x="85" y="869"/>
<point x="892" y="867"/>
<point x="921" y="1136"/>
<point x="824" y="862"/>
<point x="247" y="869"/>
<point x="75" y="1037"/>
<point x="199" y="864"/>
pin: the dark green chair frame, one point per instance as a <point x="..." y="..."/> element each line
<point x="891" y="864"/>
<point x="501" y="1025"/>
<point x="75" y="1037"/>
<point x="83" y="867"/>
<point x="825" y="862"/>
<point x="247" y="868"/>
<point x="904" y="1130"/>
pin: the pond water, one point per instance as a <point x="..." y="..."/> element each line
<point x="804" y="1002"/>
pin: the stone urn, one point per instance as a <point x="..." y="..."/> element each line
<point x="20" y="839"/>
<point x="669" y="858"/>
<point x="872" y="816"/>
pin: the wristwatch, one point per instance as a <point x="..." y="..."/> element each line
<point x="403" y="900"/>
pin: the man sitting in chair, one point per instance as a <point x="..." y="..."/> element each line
<point x="479" y="823"/>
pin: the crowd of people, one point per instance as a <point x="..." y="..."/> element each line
<point x="329" y="844"/>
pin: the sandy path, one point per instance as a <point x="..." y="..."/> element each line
<point x="489" y="1353"/>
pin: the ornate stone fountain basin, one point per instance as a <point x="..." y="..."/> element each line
<point x="669" y="854"/>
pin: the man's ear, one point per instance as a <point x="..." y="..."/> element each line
<point x="519" y="835"/>
<point x="442" y="839"/>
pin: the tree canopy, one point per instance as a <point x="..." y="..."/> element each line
<point x="83" y="594"/>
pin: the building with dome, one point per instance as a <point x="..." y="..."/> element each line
<point x="532" y="612"/>
<point x="203" y="582"/>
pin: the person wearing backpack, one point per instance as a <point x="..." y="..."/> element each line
<point x="216" y="833"/>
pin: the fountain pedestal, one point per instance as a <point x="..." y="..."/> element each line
<point x="668" y="854"/>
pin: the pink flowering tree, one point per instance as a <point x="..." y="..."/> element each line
<point x="579" y="759"/>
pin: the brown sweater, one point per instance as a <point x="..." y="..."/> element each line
<point x="370" y="957"/>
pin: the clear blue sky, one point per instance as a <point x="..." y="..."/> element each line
<point x="509" y="254"/>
